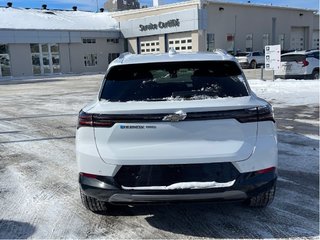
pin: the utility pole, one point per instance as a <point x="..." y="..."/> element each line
<point x="97" y="1"/>
<point x="235" y="34"/>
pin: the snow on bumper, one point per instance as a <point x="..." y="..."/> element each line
<point x="184" y="185"/>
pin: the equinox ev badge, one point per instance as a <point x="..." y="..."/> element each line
<point x="176" y="117"/>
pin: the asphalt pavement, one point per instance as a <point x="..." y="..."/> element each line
<point x="39" y="194"/>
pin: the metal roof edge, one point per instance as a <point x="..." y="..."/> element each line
<point x="261" y="5"/>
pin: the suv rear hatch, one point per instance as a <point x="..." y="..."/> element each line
<point x="175" y="113"/>
<point x="293" y="64"/>
<point x="207" y="134"/>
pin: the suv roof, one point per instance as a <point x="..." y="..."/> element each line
<point x="304" y="52"/>
<point x="172" y="56"/>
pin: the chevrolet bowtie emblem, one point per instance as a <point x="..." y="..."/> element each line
<point x="176" y="117"/>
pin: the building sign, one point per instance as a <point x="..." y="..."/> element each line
<point x="272" y="57"/>
<point x="230" y="37"/>
<point x="166" y="23"/>
<point x="153" y="26"/>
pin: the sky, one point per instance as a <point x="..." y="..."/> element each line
<point x="93" y="5"/>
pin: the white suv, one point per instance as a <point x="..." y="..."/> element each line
<point x="299" y="65"/>
<point x="176" y="127"/>
<point x="250" y="59"/>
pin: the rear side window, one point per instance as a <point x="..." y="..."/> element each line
<point x="255" y="54"/>
<point x="293" y="58"/>
<point x="174" y="81"/>
<point x="242" y="54"/>
<point x="314" y="54"/>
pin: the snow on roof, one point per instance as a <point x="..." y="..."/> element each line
<point x="264" y="5"/>
<point x="199" y="2"/>
<point x="19" y="18"/>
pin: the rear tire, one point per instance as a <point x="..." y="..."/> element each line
<point x="93" y="204"/>
<point x="315" y="74"/>
<point x="253" y="64"/>
<point x="263" y="199"/>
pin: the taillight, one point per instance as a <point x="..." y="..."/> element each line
<point x="265" y="113"/>
<point x="266" y="170"/>
<point x="93" y="120"/>
<point x="305" y="63"/>
<point x="101" y="121"/>
<point x="84" y="119"/>
<point x="88" y="175"/>
<point x="257" y="114"/>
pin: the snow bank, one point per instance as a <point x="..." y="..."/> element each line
<point x="289" y="92"/>
<point x="15" y="18"/>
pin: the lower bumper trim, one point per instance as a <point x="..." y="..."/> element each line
<point x="133" y="198"/>
<point x="301" y="76"/>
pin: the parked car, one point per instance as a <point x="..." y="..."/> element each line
<point x="299" y="65"/>
<point x="250" y="59"/>
<point x="176" y="127"/>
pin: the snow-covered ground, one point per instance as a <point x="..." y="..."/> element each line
<point x="296" y="104"/>
<point x="39" y="196"/>
<point x="288" y="92"/>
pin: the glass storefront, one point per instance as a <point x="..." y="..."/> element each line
<point x="45" y="58"/>
<point x="5" y="69"/>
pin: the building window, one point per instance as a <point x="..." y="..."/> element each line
<point x="149" y="47"/>
<point x="112" y="40"/>
<point x="90" y="60"/>
<point x="112" y="56"/>
<point x="45" y="58"/>
<point x="249" y="42"/>
<point x="55" y="57"/>
<point x="210" y="42"/>
<point x="181" y="44"/>
<point x="88" y="40"/>
<point x="4" y="60"/>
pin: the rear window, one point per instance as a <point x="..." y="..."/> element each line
<point x="314" y="55"/>
<point x="173" y="81"/>
<point x="242" y="54"/>
<point x="293" y="58"/>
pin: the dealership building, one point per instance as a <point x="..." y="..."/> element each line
<point x="40" y="42"/>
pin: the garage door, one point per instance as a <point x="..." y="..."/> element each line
<point x="181" y="44"/>
<point x="297" y="38"/>
<point x="150" y="47"/>
<point x="315" y="40"/>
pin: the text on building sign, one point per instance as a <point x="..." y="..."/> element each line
<point x="153" y="26"/>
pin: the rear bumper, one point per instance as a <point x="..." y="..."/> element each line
<point x="302" y="76"/>
<point x="246" y="185"/>
<point x="244" y="64"/>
